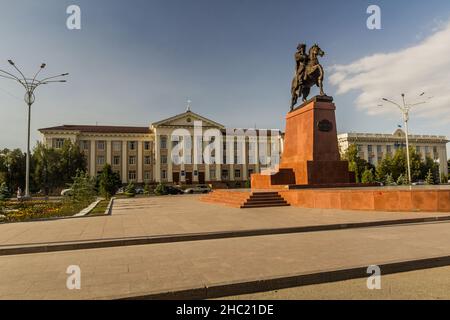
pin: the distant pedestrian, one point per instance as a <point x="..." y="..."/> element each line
<point x="19" y="193"/>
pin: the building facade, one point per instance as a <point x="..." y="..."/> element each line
<point x="373" y="147"/>
<point x="144" y="154"/>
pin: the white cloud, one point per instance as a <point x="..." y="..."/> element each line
<point x="413" y="70"/>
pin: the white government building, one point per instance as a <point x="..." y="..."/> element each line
<point x="143" y="154"/>
<point x="373" y="147"/>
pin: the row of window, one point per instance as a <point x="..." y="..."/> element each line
<point x="132" y="175"/>
<point x="177" y="159"/>
<point x="396" y="146"/>
<point x="116" y="145"/>
<point x="116" y="160"/>
<point x="58" y="143"/>
<point x="163" y="143"/>
<point x="132" y="160"/>
<point x="212" y="174"/>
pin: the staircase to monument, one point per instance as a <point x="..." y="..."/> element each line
<point x="245" y="199"/>
<point x="264" y="199"/>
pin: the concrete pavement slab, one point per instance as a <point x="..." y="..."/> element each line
<point x="221" y="266"/>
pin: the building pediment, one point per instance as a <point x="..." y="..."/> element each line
<point x="187" y="119"/>
<point x="399" y="133"/>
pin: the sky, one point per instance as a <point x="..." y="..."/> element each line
<point x="136" y="62"/>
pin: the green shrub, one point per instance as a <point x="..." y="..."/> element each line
<point x="444" y="178"/>
<point x="367" y="176"/>
<point x="389" y="180"/>
<point x="109" y="182"/>
<point x="147" y="189"/>
<point x="248" y="184"/>
<point x="402" y="180"/>
<point x="429" y="179"/>
<point x="4" y="192"/>
<point x="160" y="189"/>
<point x="130" y="190"/>
<point x="83" y="188"/>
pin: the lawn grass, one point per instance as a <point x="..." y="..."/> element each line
<point x="100" y="209"/>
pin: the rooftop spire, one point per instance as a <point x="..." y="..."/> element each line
<point x="188" y="107"/>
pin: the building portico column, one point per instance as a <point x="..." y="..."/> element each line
<point x="92" y="161"/>
<point x="140" y="176"/>
<point x="157" y="158"/>
<point x="124" y="162"/>
<point x="375" y="154"/>
<point x="169" y="160"/>
<point x="108" y="152"/>
<point x="257" y="163"/>
<point x="443" y="160"/>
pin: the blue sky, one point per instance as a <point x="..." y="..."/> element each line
<point x="136" y="62"/>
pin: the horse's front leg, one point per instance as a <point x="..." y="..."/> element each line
<point x="320" y="81"/>
<point x="320" y="85"/>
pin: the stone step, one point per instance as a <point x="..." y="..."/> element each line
<point x="267" y="201"/>
<point x="266" y="198"/>
<point x="262" y="194"/>
<point x="245" y="199"/>
<point x="249" y="206"/>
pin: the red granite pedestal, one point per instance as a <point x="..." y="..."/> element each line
<point x="312" y="175"/>
<point x="311" y="152"/>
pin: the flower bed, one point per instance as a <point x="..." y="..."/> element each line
<point x="34" y="210"/>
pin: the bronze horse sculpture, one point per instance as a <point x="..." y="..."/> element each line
<point x="308" y="72"/>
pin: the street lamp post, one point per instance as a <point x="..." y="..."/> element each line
<point x="405" y="108"/>
<point x="30" y="85"/>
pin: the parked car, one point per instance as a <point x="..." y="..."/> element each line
<point x="174" y="190"/>
<point x="139" y="190"/>
<point x="66" y="192"/>
<point x="202" y="188"/>
<point x="419" y="183"/>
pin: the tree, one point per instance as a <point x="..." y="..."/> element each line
<point x="355" y="163"/>
<point x="384" y="170"/>
<point x="367" y="176"/>
<point x="402" y="180"/>
<point x="130" y="190"/>
<point x="147" y="189"/>
<point x="160" y="189"/>
<point x="399" y="165"/>
<point x="429" y="178"/>
<point x="83" y="188"/>
<point x="55" y="168"/>
<point x="47" y="168"/>
<point x="430" y="165"/>
<point x="389" y="181"/>
<point x="71" y="160"/>
<point x="416" y="164"/>
<point x="12" y="168"/>
<point x="109" y="182"/>
<point x="5" y="194"/>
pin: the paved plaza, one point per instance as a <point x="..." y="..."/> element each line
<point x="170" y="215"/>
<point x="196" y="267"/>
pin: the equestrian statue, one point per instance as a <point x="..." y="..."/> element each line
<point x="308" y="72"/>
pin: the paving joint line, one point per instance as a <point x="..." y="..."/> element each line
<point x="17" y="249"/>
